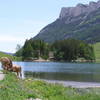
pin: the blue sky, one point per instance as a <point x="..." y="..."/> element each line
<point x="23" y="19"/>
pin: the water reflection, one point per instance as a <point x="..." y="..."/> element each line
<point x="87" y="72"/>
<point x="89" y="77"/>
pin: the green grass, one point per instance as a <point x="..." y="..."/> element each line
<point x="12" y="88"/>
<point x="10" y="56"/>
<point x="97" y="51"/>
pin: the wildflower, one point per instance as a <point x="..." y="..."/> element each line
<point x="29" y="79"/>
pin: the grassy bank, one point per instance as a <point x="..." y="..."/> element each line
<point x="14" y="58"/>
<point x="12" y="88"/>
<point x="97" y="51"/>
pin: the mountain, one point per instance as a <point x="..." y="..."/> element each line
<point x="80" y="22"/>
<point x="12" y="54"/>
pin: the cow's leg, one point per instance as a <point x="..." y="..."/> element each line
<point x="17" y="73"/>
<point x="20" y="74"/>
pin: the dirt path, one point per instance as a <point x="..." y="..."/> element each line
<point x="1" y="75"/>
<point x="76" y="84"/>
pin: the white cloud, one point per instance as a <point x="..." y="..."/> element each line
<point x="8" y="43"/>
<point x="26" y="29"/>
<point x="8" y="38"/>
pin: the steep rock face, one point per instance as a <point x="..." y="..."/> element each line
<point x="80" y="22"/>
<point x="79" y="9"/>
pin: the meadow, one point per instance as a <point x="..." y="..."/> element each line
<point x="12" y="88"/>
<point x="97" y="52"/>
<point x="14" y="58"/>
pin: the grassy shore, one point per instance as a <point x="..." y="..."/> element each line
<point x="12" y="88"/>
<point x="97" y="52"/>
<point x="14" y="58"/>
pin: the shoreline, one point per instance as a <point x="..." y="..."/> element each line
<point x="48" y="60"/>
<point x="73" y="84"/>
<point x="2" y="75"/>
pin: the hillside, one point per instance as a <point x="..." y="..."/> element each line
<point x="9" y="56"/>
<point x="97" y="51"/>
<point x="80" y="22"/>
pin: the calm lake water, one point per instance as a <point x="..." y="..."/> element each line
<point x="86" y="72"/>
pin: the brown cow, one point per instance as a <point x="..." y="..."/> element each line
<point x="6" y="62"/>
<point x="17" y="69"/>
<point x="7" y="65"/>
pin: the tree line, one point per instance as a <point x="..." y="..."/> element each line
<point x="64" y="50"/>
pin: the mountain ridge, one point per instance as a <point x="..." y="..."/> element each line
<point x="78" y="25"/>
<point x="79" y="9"/>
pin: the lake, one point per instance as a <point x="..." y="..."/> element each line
<point x="83" y="72"/>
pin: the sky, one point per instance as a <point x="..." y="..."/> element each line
<point x="23" y="19"/>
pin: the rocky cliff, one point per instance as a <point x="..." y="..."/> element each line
<point x="79" y="9"/>
<point x="80" y="22"/>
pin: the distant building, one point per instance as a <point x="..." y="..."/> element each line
<point x="51" y="55"/>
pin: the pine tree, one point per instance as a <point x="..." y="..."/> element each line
<point x="27" y="50"/>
